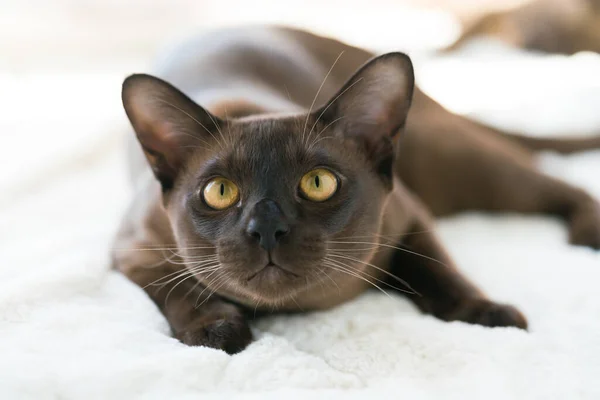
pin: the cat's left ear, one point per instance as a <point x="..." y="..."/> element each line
<point x="167" y="123"/>
<point x="373" y="105"/>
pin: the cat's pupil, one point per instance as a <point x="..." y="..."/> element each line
<point x="317" y="182"/>
<point x="222" y="189"/>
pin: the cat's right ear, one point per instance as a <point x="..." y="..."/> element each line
<point x="167" y="123"/>
<point x="372" y="108"/>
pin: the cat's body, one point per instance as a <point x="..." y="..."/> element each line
<point x="266" y="79"/>
<point x="555" y="26"/>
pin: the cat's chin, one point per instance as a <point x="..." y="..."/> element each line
<point x="271" y="274"/>
<point x="273" y="283"/>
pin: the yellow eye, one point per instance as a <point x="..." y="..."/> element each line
<point x="220" y="193"/>
<point x="318" y="185"/>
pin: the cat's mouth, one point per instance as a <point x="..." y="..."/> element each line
<point x="272" y="272"/>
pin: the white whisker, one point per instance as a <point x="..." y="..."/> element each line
<point x="198" y="122"/>
<point x="393" y="247"/>
<point x="317" y="95"/>
<point x="318" y="137"/>
<point x="331" y="103"/>
<point x="340" y="263"/>
<point x="354" y="274"/>
<point x="402" y="281"/>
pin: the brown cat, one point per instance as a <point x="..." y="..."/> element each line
<point x="554" y="26"/>
<point x="309" y="174"/>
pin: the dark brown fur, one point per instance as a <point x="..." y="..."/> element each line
<point x="397" y="171"/>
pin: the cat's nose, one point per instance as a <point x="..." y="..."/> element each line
<point x="267" y="224"/>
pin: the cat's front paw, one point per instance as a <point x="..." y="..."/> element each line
<point x="229" y="333"/>
<point x="487" y="313"/>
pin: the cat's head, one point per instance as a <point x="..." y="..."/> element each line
<point x="269" y="206"/>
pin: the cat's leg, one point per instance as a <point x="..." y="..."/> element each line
<point x="523" y="189"/>
<point x="442" y="290"/>
<point x="477" y="170"/>
<point x="196" y="317"/>
<point x="516" y="188"/>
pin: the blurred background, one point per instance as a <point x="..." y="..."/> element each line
<point x="70" y="34"/>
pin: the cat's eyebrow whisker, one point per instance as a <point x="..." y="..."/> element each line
<point x="197" y="138"/>
<point x="411" y="291"/>
<point x="394" y="247"/>
<point x="217" y="125"/>
<point x="316" y="96"/>
<point x="318" y="137"/>
<point x="318" y="140"/>
<point x="402" y="281"/>
<point x="230" y="142"/>
<point x="331" y="103"/>
<point x="194" y="119"/>
<point x="297" y="121"/>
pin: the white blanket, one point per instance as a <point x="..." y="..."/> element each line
<point x="72" y="329"/>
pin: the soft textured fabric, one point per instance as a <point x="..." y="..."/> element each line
<point x="72" y="328"/>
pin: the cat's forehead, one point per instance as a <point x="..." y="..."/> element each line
<point x="269" y="138"/>
<point x="265" y="126"/>
<point x="264" y="149"/>
<point x="273" y="147"/>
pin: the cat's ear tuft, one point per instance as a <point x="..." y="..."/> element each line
<point x="373" y="105"/>
<point x="167" y="123"/>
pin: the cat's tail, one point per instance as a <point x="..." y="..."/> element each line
<point x="564" y="145"/>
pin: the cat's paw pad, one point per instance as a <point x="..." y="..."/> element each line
<point x="231" y="334"/>
<point x="585" y="227"/>
<point x="487" y="313"/>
